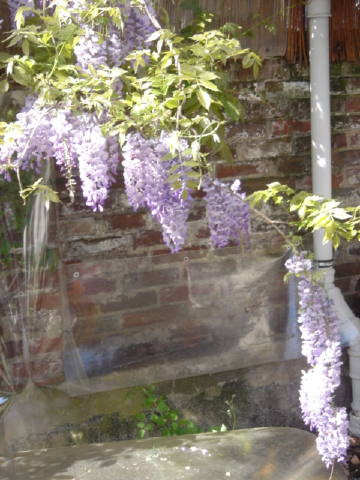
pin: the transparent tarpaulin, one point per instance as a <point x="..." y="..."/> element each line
<point x="100" y="324"/>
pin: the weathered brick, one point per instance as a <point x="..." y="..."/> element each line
<point x="353" y="84"/>
<point x="224" y="170"/>
<point x="339" y="141"/>
<point x="152" y="278"/>
<point x="346" y="157"/>
<point x="351" y="177"/>
<point x="123" y="222"/>
<point x="252" y="184"/>
<point x="148" y="238"/>
<point x="13" y="348"/>
<point x="347" y="269"/>
<point x="338" y="103"/>
<point x="95" y="285"/>
<point x="81" y="226"/>
<point x="48" y="301"/>
<point x="301" y="144"/>
<point x="294" y="164"/>
<point x="352" y="104"/>
<point x="48" y="366"/>
<point x="197" y="212"/>
<point x="203" y="232"/>
<point x="354" y="139"/>
<point x="139" y="300"/>
<point x="19" y="370"/>
<point x="84" y="308"/>
<point x="46" y="345"/>
<point x="166" y="314"/>
<point x="212" y="269"/>
<point x="174" y="294"/>
<point x="90" y="331"/>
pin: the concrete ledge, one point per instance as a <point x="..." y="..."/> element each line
<point x="262" y="453"/>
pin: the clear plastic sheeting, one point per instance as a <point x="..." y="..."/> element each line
<point x="96" y="325"/>
<point x="223" y="309"/>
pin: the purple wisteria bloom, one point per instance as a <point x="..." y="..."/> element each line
<point x="319" y="326"/>
<point x="226" y="211"/>
<point x="146" y="175"/>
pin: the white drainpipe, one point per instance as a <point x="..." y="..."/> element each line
<point x="318" y="13"/>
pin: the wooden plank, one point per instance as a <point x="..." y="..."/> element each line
<point x="250" y="14"/>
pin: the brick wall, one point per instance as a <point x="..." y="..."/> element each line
<point x="133" y="308"/>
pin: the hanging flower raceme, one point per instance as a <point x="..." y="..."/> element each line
<point x="112" y="49"/>
<point x="146" y="175"/>
<point x="227" y="212"/>
<point x="319" y="326"/>
<point x="74" y="141"/>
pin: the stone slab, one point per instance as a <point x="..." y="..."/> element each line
<point x="254" y="454"/>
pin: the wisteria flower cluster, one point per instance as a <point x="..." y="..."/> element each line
<point x="319" y="326"/>
<point x="112" y="49"/>
<point x="227" y="212"/>
<point x="146" y="180"/>
<point x="74" y="141"/>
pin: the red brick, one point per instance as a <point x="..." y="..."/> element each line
<point x="339" y="141"/>
<point x="82" y="226"/>
<point x="174" y="294"/>
<point x="90" y="331"/>
<point x="203" y="233"/>
<point x="123" y="222"/>
<point x="166" y="314"/>
<point x="138" y="280"/>
<point x="287" y="127"/>
<point x="354" y="139"/>
<point x="148" y="239"/>
<point x="52" y="380"/>
<point x="337" y="180"/>
<point x="47" y="301"/>
<point x="139" y="300"/>
<point x="293" y="165"/>
<point x="343" y="283"/>
<point x="252" y="184"/>
<point x="85" y="309"/>
<point x="13" y="349"/>
<point x="19" y="370"/>
<point x="347" y="269"/>
<point x="303" y="126"/>
<point x="95" y="285"/>
<point x="201" y="290"/>
<point x="346" y="157"/>
<point x="49" y="366"/>
<point x="197" y="212"/>
<point x="46" y="345"/>
<point x="234" y="170"/>
<point x="188" y="252"/>
<point x="352" y="104"/>
<point x="200" y="271"/>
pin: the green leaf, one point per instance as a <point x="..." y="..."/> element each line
<point x="21" y="77"/>
<point x="226" y="152"/>
<point x="4" y="86"/>
<point x="204" y="98"/>
<point x="341" y="214"/>
<point x="154" y="36"/>
<point x="232" y="110"/>
<point x="209" y="85"/>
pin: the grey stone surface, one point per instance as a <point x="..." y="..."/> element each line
<point x="255" y="454"/>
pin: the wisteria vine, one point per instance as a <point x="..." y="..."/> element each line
<point x="79" y="141"/>
<point x="320" y="333"/>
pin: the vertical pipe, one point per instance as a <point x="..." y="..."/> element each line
<point x="318" y="13"/>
